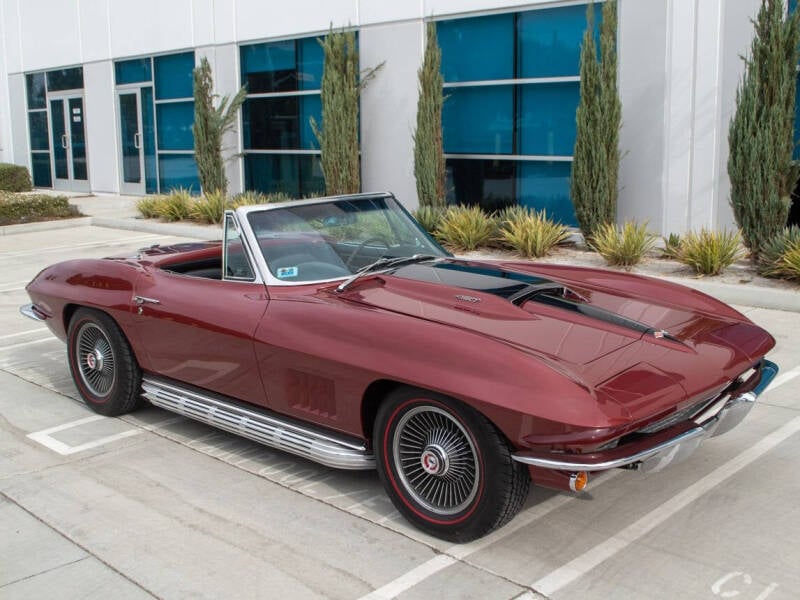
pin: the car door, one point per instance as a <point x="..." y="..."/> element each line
<point x="200" y="331"/>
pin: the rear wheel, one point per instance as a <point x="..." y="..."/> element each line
<point x="445" y="467"/>
<point x="102" y="363"/>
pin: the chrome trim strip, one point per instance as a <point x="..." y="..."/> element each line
<point x="675" y="449"/>
<point x="574" y="464"/>
<point x="264" y="429"/>
<point x="30" y="311"/>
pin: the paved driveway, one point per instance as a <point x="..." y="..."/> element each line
<point x="152" y="504"/>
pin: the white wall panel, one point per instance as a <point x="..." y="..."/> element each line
<point x="379" y="11"/>
<point x="256" y="20"/>
<point x="203" y="22"/>
<point x="11" y="47"/>
<point x="447" y="7"/>
<point x="224" y="21"/>
<point x="6" y="149"/>
<point x="641" y="47"/>
<point x="150" y="26"/>
<point x="389" y="109"/>
<point x="50" y="34"/>
<point x="18" y="109"/>
<point x="102" y="129"/>
<point x="95" y="34"/>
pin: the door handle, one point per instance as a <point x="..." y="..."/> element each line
<point x="137" y="140"/>
<point x="64" y="143"/>
<point x="143" y="300"/>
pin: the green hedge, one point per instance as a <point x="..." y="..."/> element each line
<point x="25" y="208"/>
<point x="14" y="178"/>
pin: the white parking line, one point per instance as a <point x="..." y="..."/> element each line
<point x="461" y="551"/>
<point x="578" y="567"/>
<point x="21" y="333"/>
<point x="784" y="378"/>
<point x="117" y="242"/>
<point x="29" y="343"/>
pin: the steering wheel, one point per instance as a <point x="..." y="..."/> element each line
<point x="377" y="238"/>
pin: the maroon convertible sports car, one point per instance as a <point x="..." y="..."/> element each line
<point x="338" y="330"/>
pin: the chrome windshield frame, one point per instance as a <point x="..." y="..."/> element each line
<point x="251" y="240"/>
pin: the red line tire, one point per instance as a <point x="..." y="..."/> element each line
<point x="445" y="467"/>
<point x="102" y="363"/>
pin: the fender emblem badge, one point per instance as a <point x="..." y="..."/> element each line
<point x="471" y="299"/>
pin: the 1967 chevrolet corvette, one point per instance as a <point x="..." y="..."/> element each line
<point x="338" y="330"/>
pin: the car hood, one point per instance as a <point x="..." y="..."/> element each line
<point x="647" y="352"/>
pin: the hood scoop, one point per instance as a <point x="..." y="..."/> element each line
<point x="520" y="288"/>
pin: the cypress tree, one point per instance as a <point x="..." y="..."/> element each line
<point x="595" y="165"/>
<point x="210" y="124"/>
<point x="339" y="93"/>
<point x="761" y="133"/>
<point x="429" y="167"/>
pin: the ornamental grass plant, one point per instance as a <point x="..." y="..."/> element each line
<point x="531" y="233"/>
<point x="710" y="252"/>
<point x="780" y="256"/>
<point x="465" y="227"/>
<point x="622" y="246"/>
<point x="429" y="217"/>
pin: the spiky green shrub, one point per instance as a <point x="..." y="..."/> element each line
<point x="622" y="246"/>
<point x="780" y="254"/>
<point x="14" y="178"/>
<point x="709" y="252"/>
<point x="595" y="165"/>
<point x="429" y="217"/>
<point x="339" y="93"/>
<point x="672" y="246"/>
<point x="465" y="227"/>
<point x="531" y="233"/>
<point x="429" y="168"/>
<point x="761" y="133"/>
<point x="248" y="198"/>
<point x="149" y="206"/>
<point x="175" y="206"/>
<point x="209" y="208"/>
<point x="210" y="125"/>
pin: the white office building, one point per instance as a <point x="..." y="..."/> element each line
<point x="96" y="96"/>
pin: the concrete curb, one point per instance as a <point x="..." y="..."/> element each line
<point x="45" y="225"/>
<point x="202" y="232"/>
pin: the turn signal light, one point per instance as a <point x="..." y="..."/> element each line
<point x="578" y="481"/>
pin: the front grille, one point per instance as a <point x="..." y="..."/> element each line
<point x="681" y="415"/>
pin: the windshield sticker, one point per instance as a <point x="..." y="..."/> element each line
<point x="285" y="272"/>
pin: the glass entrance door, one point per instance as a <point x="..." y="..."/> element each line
<point x="67" y="116"/>
<point x="137" y="143"/>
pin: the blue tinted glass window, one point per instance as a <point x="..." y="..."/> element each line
<point x="310" y="106"/>
<point x="546" y="118"/>
<point x="178" y="171"/>
<point x="174" y="125"/>
<point x="149" y="141"/>
<point x="40" y="162"/>
<point x="545" y="185"/>
<point x="486" y="183"/>
<point x="550" y="41"/>
<point x="173" y="75"/>
<point x="133" y="71"/>
<point x="65" y="79"/>
<point x="477" y="48"/>
<point x="297" y="175"/>
<point x="37" y="123"/>
<point x="269" y="67"/>
<point x="310" y="58"/>
<point x="35" y="87"/>
<point x="479" y="120"/>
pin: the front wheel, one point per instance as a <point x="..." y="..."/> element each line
<point x="102" y="364"/>
<point x="445" y="467"/>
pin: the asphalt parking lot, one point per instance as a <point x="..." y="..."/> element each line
<point x="154" y="505"/>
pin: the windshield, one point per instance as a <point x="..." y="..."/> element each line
<point x="330" y="240"/>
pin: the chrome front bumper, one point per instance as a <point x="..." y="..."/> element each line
<point x="661" y="449"/>
<point x="30" y="311"/>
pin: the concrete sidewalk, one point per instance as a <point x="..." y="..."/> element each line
<point x="119" y="212"/>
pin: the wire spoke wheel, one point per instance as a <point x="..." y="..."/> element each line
<point x="436" y="460"/>
<point x="96" y="362"/>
